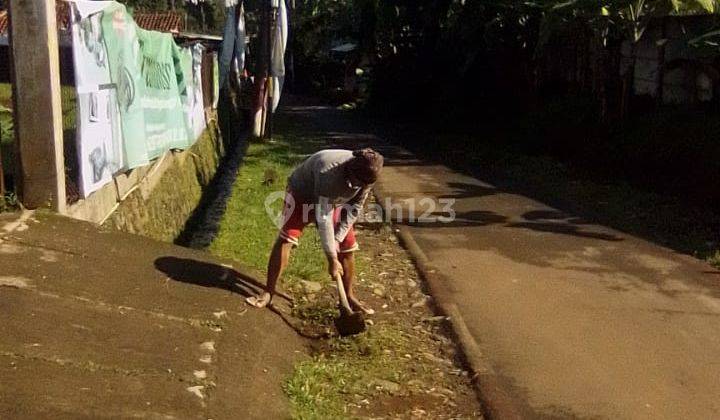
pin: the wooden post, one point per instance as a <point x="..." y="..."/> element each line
<point x="36" y="103"/>
<point x="262" y="72"/>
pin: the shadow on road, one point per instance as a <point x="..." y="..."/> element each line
<point x="565" y="229"/>
<point x="553" y="221"/>
<point x="465" y="190"/>
<point x="207" y="274"/>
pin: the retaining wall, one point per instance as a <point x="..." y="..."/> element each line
<point x="156" y="200"/>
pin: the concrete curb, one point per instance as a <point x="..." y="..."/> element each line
<point x="496" y="401"/>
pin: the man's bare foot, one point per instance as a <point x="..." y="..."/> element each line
<point x="356" y="305"/>
<point x="259" y="301"/>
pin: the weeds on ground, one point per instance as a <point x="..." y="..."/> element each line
<point x="347" y="371"/>
<point x="714" y="259"/>
<point x="9" y="202"/>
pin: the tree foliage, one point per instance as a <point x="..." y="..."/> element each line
<point x="416" y="47"/>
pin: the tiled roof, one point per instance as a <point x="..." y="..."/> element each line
<point x="4" y="22"/>
<point x="164" y="22"/>
<point x="61" y="12"/>
<point x="160" y="21"/>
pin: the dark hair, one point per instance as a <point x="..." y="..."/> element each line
<point x="366" y="165"/>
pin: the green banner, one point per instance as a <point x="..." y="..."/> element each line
<point x="146" y="68"/>
<point x="121" y="40"/>
<point x="165" y="91"/>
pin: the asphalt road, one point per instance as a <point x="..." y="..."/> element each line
<point x="575" y="319"/>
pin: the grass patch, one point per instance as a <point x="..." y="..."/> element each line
<point x="350" y="370"/>
<point x="7" y="149"/>
<point x="402" y="365"/>
<point x="6" y="139"/>
<point x="247" y="232"/>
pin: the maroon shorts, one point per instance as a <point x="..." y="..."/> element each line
<point x="296" y="216"/>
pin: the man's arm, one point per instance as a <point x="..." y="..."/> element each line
<point x="348" y="217"/>
<point x="326" y="230"/>
<point x="324" y="220"/>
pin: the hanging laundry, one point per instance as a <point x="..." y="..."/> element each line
<point x="232" y="49"/>
<point x="277" y="69"/>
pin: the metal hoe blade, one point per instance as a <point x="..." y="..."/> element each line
<point x="349" y="322"/>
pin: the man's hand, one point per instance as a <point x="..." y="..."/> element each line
<point x="334" y="267"/>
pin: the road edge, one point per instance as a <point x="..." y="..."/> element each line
<point x="496" y="403"/>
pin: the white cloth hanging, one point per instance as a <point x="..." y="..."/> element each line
<point x="277" y="70"/>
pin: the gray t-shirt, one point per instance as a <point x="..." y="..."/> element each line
<point x="320" y="180"/>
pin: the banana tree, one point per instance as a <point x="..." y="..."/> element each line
<point x="627" y="18"/>
<point x="633" y="18"/>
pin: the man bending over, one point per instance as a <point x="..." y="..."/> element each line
<point x="329" y="187"/>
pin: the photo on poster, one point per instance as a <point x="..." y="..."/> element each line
<point x="100" y="149"/>
<point x="99" y="141"/>
<point x="90" y="54"/>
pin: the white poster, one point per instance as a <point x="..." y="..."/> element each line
<point x="196" y="106"/>
<point x="98" y="126"/>
<point x="99" y="141"/>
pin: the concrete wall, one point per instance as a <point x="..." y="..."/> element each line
<point x="156" y="200"/>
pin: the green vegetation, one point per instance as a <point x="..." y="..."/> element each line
<point x="247" y="232"/>
<point x="6" y="128"/>
<point x="714" y="258"/>
<point x="321" y="387"/>
<point x="7" y="147"/>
